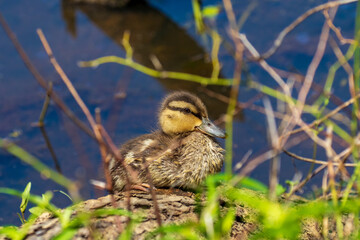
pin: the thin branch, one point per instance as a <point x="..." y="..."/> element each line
<point x="264" y="64"/>
<point x="299" y="20"/>
<point x="51" y="149"/>
<point x="306" y="180"/>
<point x="337" y="30"/>
<point x="80" y="102"/>
<point x="342" y="60"/>
<point x="320" y="120"/>
<point x="97" y="128"/>
<point x="307" y="83"/>
<point x="256" y="161"/>
<point x="67" y="81"/>
<point x="317" y="161"/>
<point x="43" y="83"/>
<point x="152" y="192"/>
<point x="274" y="138"/>
<point x="331" y="157"/>
<point x="309" y="77"/>
<point x="46" y="105"/>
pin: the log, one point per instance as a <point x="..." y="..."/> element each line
<point x="176" y="206"/>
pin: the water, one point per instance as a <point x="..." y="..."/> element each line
<point x="161" y="28"/>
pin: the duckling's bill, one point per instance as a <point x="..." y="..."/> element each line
<point x="209" y="128"/>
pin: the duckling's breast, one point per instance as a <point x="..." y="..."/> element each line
<point x="187" y="166"/>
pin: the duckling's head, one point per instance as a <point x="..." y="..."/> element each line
<point x="183" y="112"/>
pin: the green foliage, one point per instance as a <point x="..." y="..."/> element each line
<point x="253" y="184"/>
<point x="25" y="197"/>
<point x="40" y="167"/>
<point x="12" y="232"/>
<point x="24" y="201"/>
<point x="70" y="223"/>
<point x="198" y="18"/>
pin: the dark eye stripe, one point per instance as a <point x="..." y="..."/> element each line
<point x="184" y="110"/>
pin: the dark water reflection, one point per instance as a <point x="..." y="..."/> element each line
<point x="152" y="34"/>
<point x="161" y="28"/>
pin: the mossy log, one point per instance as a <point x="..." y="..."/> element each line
<point x="175" y="207"/>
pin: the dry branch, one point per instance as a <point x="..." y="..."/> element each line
<point x="43" y="83"/>
<point x="299" y="20"/>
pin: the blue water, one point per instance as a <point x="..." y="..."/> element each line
<point x="163" y="28"/>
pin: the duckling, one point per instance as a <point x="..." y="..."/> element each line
<point x="181" y="154"/>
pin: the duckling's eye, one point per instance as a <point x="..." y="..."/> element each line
<point x="187" y="110"/>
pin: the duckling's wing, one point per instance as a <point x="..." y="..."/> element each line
<point x="133" y="152"/>
<point x="145" y="147"/>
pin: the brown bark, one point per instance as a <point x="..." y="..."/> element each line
<point x="175" y="206"/>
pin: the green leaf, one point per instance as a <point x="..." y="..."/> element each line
<point x="11" y="232"/>
<point x="253" y="185"/>
<point x="280" y="189"/>
<point x="65" y="216"/>
<point x="21" y="218"/>
<point x="211" y="11"/>
<point x="46" y="197"/>
<point x="67" y="233"/>
<point x="185" y="230"/>
<point x="64" y="193"/>
<point x="37" y="211"/>
<point x="25" y="197"/>
<point x="128" y="232"/>
<point x="228" y="221"/>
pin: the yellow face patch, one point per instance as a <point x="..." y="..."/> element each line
<point x="183" y="105"/>
<point x="175" y="121"/>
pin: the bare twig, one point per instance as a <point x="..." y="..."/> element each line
<point x="46" y="105"/>
<point x="41" y="80"/>
<point x="239" y="105"/>
<point x="315" y="87"/>
<point x="317" y="161"/>
<point x="320" y="120"/>
<point x="105" y="158"/>
<point x="152" y="192"/>
<point x="336" y="30"/>
<point x="97" y="127"/>
<point x="331" y="157"/>
<point x="307" y="179"/>
<point x="256" y="161"/>
<point x="264" y="64"/>
<point x="80" y="102"/>
<point x="337" y="162"/>
<point x="104" y="153"/>
<point x="274" y="139"/>
<point x="342" y="60"/>
<point x="314" y="64"/>
<point x="67" y="81"/>
<point x="40" y="123"/>
<point x="298" y="109"/>
<point x="299" y="20"/>
<point x="51" y="149"/>
<point x="230" y="14"/>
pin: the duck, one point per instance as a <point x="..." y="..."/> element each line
<point x="180" y="154"/>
